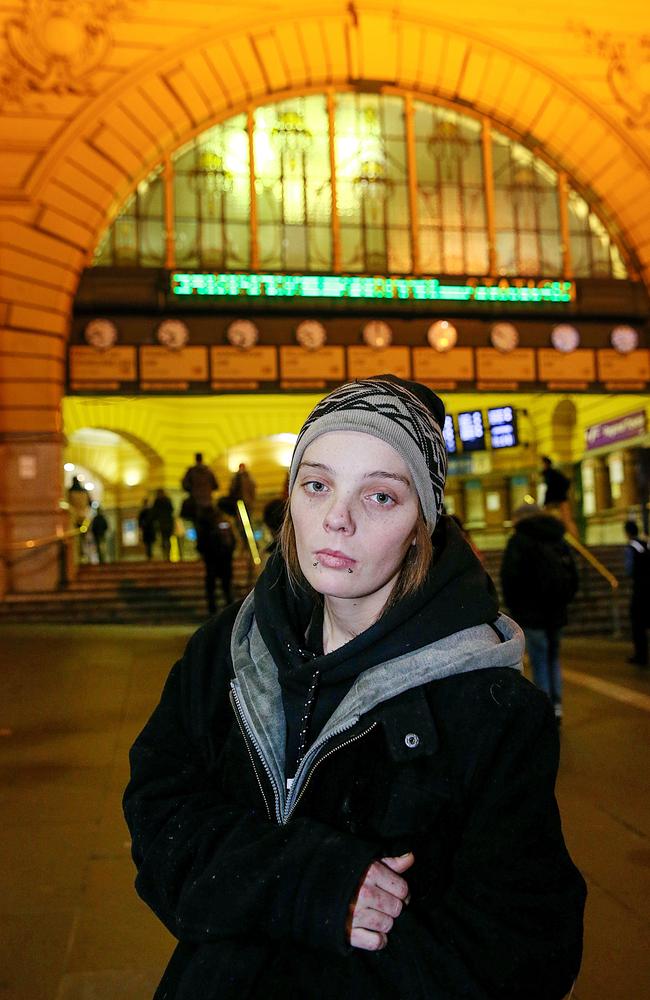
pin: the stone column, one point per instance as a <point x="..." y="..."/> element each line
<point x="30" y="491"/>
<point x="630" y="494"/>
<point x="602" y="489"/>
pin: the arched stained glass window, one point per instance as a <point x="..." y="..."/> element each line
<point x="212" y="198"/>
<point x="453" y="236"/>
<point x="293" y="185"/>
<point x="418" y="188"/>
<point x="137" y="235"/>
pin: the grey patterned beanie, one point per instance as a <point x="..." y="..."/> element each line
<point x="406" y="415"/>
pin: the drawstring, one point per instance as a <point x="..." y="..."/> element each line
<point x="306" y="716"/>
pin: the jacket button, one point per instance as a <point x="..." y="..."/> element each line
<point x="412" y="740"/>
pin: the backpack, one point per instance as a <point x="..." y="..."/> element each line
<point x="216" y="540"/>
<point x="557" y="577"/>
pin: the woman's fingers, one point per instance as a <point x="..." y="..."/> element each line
<point x="368" y="940"/>
<point x="375" y="898"/>
<point x="400" y="864"/>
<point x="372" y="920"/>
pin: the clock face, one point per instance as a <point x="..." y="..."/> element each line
<point x="565" y="338"/>
<point x="377" y="334"/>
<point x="442" y="335"/>
<point x="242" y="333"/>
<point x="504" y="336"/>
<point x="101" y="333"/>
<point x="173" y="333"/>
<point x="311" y="334"/>
<point x="624" y="339"/>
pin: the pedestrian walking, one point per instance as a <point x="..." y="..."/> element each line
<point x="539" y="580"/>
<point x="215" y="544"/>
<point x="99" y="529"/>
<point x="637" y="567"/>
<point x="556" y="495"/>
<point x="346" y="790"/>
<point x="199" y="482"/>
<point x="162" y="515"/>
<point x="147" y="527"/>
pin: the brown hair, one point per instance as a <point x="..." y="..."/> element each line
<point x="411" y="576"/>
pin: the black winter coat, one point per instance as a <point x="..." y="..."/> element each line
<point x="538" y="573"/>
<point x="259" y="906"/>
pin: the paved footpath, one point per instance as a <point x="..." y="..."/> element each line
<point x="73" y="698"/>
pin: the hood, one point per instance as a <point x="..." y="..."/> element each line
<point x="457" y="594"/>
<point x="541" y="528"/>
<point x="258" y="695"/>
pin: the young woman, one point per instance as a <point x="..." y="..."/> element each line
<point x="347" y="789"/>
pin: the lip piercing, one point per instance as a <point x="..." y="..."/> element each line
<point x="315" y="563"/>
<point x="349" y="570"/>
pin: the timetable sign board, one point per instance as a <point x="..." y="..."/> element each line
<point x="449" y="434"/>
<point x="471" y="430"/>
<point x="502" y="421"/>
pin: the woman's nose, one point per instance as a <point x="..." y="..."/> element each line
<point x="339" y="516"/>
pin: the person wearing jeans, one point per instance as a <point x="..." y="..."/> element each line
<point x="543" y="647"/>
<point x="539" y="580"/>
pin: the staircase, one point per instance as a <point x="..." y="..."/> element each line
<point x="148" y="593"/>
<point x="161" y="593"/>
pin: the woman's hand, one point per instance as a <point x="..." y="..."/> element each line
<point x="378" y="902"/>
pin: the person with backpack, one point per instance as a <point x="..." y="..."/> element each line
<point x="539" y="581"/>
<point x="637" y="566"/>
<point x="200" y="482"/>
<point x="215" y="543"/>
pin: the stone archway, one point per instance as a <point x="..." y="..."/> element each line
<point x="62" y="199"/>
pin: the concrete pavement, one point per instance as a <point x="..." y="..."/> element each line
<point x="73" y="698"/>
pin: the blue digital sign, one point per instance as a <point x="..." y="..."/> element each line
<point x="502" y="421"/>
<point x="471" y="430"/>
<point x="449" y="434"/>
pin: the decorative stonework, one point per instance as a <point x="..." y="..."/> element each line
<point x="628" y="71"/>
<point x="55" y="46"/>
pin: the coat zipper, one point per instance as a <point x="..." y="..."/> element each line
<point x="248" y="736"/>
<point x="320" y="760"/>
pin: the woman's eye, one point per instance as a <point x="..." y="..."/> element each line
<point x="315" y="487"/>
<point x="383" y="499"/>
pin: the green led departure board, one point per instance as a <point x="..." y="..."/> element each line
<point x="339" y="286"/>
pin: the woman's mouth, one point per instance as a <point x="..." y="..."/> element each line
<point x="334" y="560"/>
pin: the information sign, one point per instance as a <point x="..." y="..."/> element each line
<point x="471" y="430"/>
<point x="327" y="363"/>
<point x="366" y="361"/>
<point x="502" y="421"/>
<point x="518" y="365"/>
<point x="433" y="366"/>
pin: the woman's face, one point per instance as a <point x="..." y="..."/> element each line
<point x="353" y="507"/>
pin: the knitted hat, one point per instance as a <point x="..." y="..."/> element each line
<point x="406" y="415"/>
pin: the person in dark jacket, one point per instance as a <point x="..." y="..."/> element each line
<point x="215" y="543"/>
<point x="162" y="516"/>
<point x="347" y="788"/>
<point x="99" y="529"/>
<point x="147" y="527"/>
<point x="637" y="567"/>
<point x="539" y="580"/>
<point x="200" y="482"/>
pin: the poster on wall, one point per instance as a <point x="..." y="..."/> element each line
<point x="165" y="369"/>
<point x="234" y="368"/>
<point x="300" y="368"/>
<point x="366" y="361"/>
<point x="435" y="367"/>
<point x="107" y="370"/>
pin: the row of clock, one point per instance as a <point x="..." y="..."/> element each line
<point x="311" y="334"/>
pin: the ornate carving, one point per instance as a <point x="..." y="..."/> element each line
<point x="55" y="46"/>
<point x="628" y="71"/>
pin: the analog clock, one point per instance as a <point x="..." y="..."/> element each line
<point x="624" y="339"/>
<point x="242" y="333"/>
<point x="442" y="335"/>
<point x="504" y="336"/>
<point x="565" y="338"/>
<point x="311" y="334"/>
<point x="377" y="334"/>
<point x="100" y="333"/>
<point x="173" y="333"/>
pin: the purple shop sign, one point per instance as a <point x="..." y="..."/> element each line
<point x="619" y="429"/>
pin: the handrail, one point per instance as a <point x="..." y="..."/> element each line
<point x="592" y="560"/>
<point x="248" y="531"/>
<point x="31" y="544"/>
